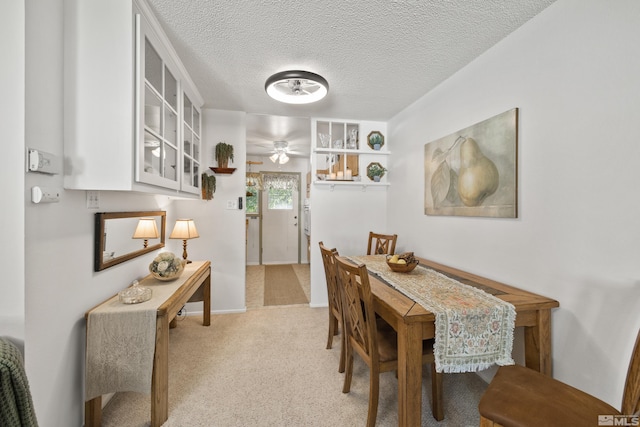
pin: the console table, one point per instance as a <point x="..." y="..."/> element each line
<point x="193" y="285"/>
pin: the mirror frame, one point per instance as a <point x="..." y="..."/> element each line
<point x="100" y="217"/>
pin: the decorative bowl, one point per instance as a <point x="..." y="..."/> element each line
<point x="135" y="294"/>
<point x="402" y="268"/>
<point x="166" y="266"/>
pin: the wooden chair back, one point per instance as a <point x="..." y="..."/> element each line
<point x="381" y="244"/>
<point x="631" y="395"/>
<point x="328" y="259"/>
<point x="357" y="306"/>
<point x="335" y="301"/>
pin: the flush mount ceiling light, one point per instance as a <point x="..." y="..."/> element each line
<point x="296" y="87"/>
<point x="280" y="155"/>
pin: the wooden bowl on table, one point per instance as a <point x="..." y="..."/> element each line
<point x="409" y="263"/>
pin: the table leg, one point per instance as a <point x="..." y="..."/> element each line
<point x="160" y="375"/>
<point x="409" y="374"/>
<point x="206" y="309"/>
<point x="537" y="343"/>
<point x="93" y="412"/>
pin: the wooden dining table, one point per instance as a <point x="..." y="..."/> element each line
<point x="414" y="324"/>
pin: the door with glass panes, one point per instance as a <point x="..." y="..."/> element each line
<point x="280" y="225"/>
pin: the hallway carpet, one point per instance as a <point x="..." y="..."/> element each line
<point x="268" y="367"/>
<point x="281" y="286"/>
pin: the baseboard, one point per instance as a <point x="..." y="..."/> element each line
<point x="199" y="313"/>
<point x="318" y="305"/>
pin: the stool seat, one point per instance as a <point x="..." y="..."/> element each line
<point x="519" y="397"/>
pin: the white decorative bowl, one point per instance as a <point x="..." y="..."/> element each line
<point x="171" y="270"/>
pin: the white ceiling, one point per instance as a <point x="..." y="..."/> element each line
<point x="379" y="56"/>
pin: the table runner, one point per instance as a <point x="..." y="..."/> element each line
<point x="473" y="329"/>
<point x="121" y="339"/>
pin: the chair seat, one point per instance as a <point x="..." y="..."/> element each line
<point x="519" y="397"/>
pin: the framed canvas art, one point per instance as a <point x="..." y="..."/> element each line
<point x="473" y="172"/>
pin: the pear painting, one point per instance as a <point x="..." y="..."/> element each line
<point x="478" y="177"/>
<point x="473" y="171"/>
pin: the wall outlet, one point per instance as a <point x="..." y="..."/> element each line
<point x="231" y="204"/>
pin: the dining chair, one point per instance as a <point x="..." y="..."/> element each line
<point x="373" y="339"/>
<point x="381" y="243"/>
<point x="519" y="396"/>
<point x="335" y="301"/>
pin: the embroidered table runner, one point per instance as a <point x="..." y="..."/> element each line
<point x="121" y="339"/>
<point x="473" y="330"/>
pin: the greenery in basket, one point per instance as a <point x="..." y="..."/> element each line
<point x="375" y="169"/>
<point x="166" y="264"/>
<point x="224" y="153"/>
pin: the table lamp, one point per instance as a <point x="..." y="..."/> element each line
<point x="184" y="229"/>
<point x="146" y="230"/>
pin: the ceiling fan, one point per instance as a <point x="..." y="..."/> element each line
<point x="280" y="148"/>
<point x="296" y="87"/>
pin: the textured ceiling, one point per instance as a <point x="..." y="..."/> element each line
<point x="379" y="56"/>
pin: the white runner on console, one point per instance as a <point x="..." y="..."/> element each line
<point x="121" y="339"/>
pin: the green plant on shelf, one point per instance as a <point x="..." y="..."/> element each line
<point x="376" y="139"/>
<point x="375" y="171"/>
<point x="224" y="153"/>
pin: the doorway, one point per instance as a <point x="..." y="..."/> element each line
<point x="280" y="212"/>
<point x="274" y="217"/>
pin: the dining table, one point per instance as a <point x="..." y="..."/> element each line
<point x="414" y="323"/>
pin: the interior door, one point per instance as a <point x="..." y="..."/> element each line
<point x="280" y="224"/>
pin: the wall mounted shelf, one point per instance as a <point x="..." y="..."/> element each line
<point x="363" y="184"/>
<point x="226" y="171"/>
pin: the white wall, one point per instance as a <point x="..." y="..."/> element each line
<point x="222" y="230"/>
<point x="573" y="73"/>
<point x="341" y="217"/>
<point x="12" y="85"/>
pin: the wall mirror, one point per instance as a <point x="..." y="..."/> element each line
<point x="121" y="236"/>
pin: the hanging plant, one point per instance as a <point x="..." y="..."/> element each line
<point x="208" y="186"/>
<point x="224" y="153"/>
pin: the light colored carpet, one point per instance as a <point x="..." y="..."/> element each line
<point x="269" y="367"/>
<point x="255" y="283"/>
<point x="281" y="286"/>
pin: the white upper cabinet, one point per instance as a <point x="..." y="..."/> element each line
<point x="132" y="113"/>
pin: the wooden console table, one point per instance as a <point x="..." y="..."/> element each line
<point x="198" y="278"/>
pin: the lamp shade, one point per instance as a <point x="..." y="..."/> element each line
<point x="184" y="229"/>
<point x="146" y="229"/>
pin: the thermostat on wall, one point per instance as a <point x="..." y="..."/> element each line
<point x="39" y="161"/>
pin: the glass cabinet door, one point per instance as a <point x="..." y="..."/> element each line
<point x="168" y="117"/>
<point x="160" y="155"/>
<point x="190" y="146"/>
